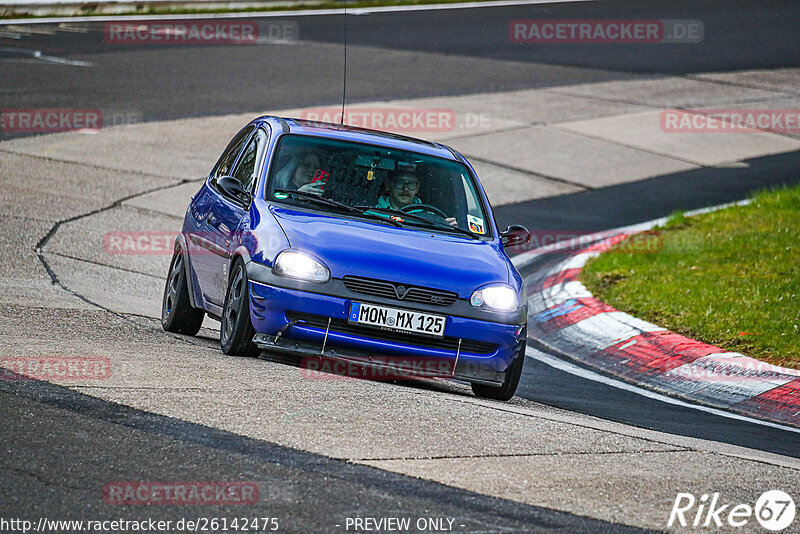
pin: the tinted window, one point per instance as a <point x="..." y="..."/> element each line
<point x="228" y="158"/>
<point x="248" y="165"/>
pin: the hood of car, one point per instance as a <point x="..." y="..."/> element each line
<point x="404" y="255"/>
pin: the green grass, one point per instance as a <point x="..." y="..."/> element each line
<point x="91" y="10"/>
<point x="730" y="278"/>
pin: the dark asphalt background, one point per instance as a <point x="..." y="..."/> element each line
<point x="57" y="433"/>
<point x="392" y="55"/>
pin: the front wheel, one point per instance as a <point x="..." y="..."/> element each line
<point x="236" y="331"/>
<point x="177" y="314"/>
<point x="510" y="383"/>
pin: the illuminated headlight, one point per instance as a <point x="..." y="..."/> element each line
<point x="294" y="264"/>
<point x="499" y="298"/>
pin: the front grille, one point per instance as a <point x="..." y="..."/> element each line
<point x="343" y="327"/>
<point x="402" y="292"/>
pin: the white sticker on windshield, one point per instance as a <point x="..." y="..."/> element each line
<point x="475" y="224"/>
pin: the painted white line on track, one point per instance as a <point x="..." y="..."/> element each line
<point x="297" y="13"/>
<point x="582" y="372"/>
<point x="605" y="329"/>
<point x="560" y="293"/>
<point x="37" y="54"/>
<point x="578" y="261"/>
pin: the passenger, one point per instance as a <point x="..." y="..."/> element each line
<point x="298" y="173"/>
<point x="403" y="188"/>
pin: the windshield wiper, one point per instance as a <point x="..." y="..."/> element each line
<point x="314" y="198"/>
<point x="428" y="222"/>
<point x="399" y="213"/>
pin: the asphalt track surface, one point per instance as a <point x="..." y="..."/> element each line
<point x="90" y="442"/>
<point x="390" y="56"/>
<point x="455" y="53"/>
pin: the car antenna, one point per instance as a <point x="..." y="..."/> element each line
<point x="344" y="78"/>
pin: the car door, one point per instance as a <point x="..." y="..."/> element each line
<point x="229" y="215"/>
<point x="202" y="241"/>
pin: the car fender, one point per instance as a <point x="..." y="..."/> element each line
<point x="192" y="283"/>
<point x="240" y="252"/>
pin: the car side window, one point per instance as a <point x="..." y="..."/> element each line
<point x="228" y="158"/>
<point x="248" y="167"/>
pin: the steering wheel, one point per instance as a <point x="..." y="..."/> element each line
<point x="424" y="207"/>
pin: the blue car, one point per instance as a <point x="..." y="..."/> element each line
<point x="343" y="244"/>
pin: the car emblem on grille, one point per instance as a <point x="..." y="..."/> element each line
<point x="400" y="291"/>
<point x="436" y="299"/>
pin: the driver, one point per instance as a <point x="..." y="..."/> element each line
<point x="403" y="188"/>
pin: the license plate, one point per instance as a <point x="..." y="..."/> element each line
<point x="397" y="320"/>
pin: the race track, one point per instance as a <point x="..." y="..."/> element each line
<point x="570" y="452"/>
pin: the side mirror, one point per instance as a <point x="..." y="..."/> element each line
<point x="515" y="235"/>
<point x="232" y="188"/>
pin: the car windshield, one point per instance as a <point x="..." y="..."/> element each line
<point x="400" y="187"/>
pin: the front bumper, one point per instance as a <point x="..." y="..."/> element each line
<point x="301" y="322"/>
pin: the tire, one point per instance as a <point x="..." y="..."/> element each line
<point x="236" y="330"/>
<point x="177" y="314"/>
<point x="510" y="383"/>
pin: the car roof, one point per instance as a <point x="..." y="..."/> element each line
<point x="363" y="135"/>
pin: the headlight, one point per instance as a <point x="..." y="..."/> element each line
<point x="300" y="265"/>
<point x="499" y="298"/>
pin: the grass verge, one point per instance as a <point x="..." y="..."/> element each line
<point x="730" y="278"/>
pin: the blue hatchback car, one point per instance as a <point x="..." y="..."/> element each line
<point x="351" y="245"/>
